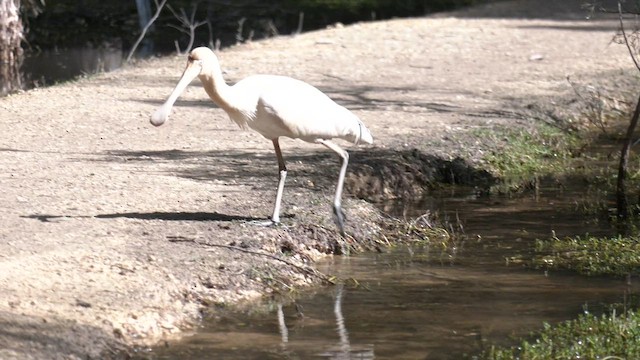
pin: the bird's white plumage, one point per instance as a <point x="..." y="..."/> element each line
<point x="285" y="107"/>
<point x="274" y="106"/>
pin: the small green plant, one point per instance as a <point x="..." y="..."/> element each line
<point x="520" y="157"/>
<point x="610" y="337"/>
<point x="589" y="255"/>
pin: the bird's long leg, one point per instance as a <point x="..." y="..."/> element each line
<point x="275" y="218"/>
<point x="337" y="201"/>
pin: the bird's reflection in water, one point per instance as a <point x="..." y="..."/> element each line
<point x="343" y="350"/>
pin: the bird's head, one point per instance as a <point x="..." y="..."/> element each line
<point x="204" y="59"/>
<point x="201" y="61"/>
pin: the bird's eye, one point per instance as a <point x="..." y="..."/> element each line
<point x="190" y="58"/>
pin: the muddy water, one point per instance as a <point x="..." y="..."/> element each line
<point x="51" y="66"/>
<point x="423" y="303"/>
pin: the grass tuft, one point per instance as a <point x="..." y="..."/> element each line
<point x="520" y="157"/>
<point x="588" y="337"/>
<point x="423" y="230"/>
<point x="588" y="255"/>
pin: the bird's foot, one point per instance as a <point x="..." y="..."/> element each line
<point x="261" y="222"/>
<point x="266" y="223"/>
<point x="338" y="218"/>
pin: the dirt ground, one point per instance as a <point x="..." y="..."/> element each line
<point x="115" y="233"/>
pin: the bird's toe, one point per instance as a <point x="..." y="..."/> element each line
<point x="267" y="223"/>
<point x="262" y="222"/>
<point x="339" y="218"/>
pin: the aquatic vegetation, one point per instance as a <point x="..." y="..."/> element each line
<point x="609" y="336"/>
<point x="521" y="157"/>
<point x="589" y="255"/>
<point x="425" y="230"/>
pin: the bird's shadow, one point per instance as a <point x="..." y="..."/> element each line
<point x="157" y="215"/>
<point x="178" y="216"/>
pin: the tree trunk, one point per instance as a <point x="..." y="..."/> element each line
<point x="11" y="33"/>
<point x="621" y="192"/>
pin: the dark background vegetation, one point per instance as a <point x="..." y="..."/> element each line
<point x="97" y="23"/>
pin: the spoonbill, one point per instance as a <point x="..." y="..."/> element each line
<point x="275" y="106"/>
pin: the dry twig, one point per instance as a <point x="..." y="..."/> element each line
<point x="188" y="25"/>
<point x="304" y="269"/>
<point x="159" y="7"/>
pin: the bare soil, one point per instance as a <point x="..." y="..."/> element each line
<point x="116" y="234"/>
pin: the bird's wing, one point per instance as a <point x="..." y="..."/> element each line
<point x="296" y="109"/>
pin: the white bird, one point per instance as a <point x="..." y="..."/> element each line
<point x="274" y="106"/>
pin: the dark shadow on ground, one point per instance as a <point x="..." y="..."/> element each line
<point x="178" y="216"/>
<point x="179" y="103"/>
<point x="357" y="97"/>
<point x="12" y="150"/>
<point x="26" y="337"/>
<point x="165" y="216"/>
<point x="352" y="96"/>
<point x="549" y="9"/>
<point x="373" y="174"/>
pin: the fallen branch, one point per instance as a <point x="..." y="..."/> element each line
<point x="305" y="269"/>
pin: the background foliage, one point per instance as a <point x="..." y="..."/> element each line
<point x="73" y="23"/>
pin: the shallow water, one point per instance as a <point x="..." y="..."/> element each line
<point x="422" y="303"/>
<point x="55" y="65"/>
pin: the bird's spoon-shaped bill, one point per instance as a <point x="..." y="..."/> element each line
<point x="162" y="114"/>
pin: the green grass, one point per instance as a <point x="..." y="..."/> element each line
<point x="588" y="337"/>
<point x="519" y="157"/>
<point x="588" y="255"/>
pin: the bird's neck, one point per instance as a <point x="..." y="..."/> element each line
<point x="218" y="90"/>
